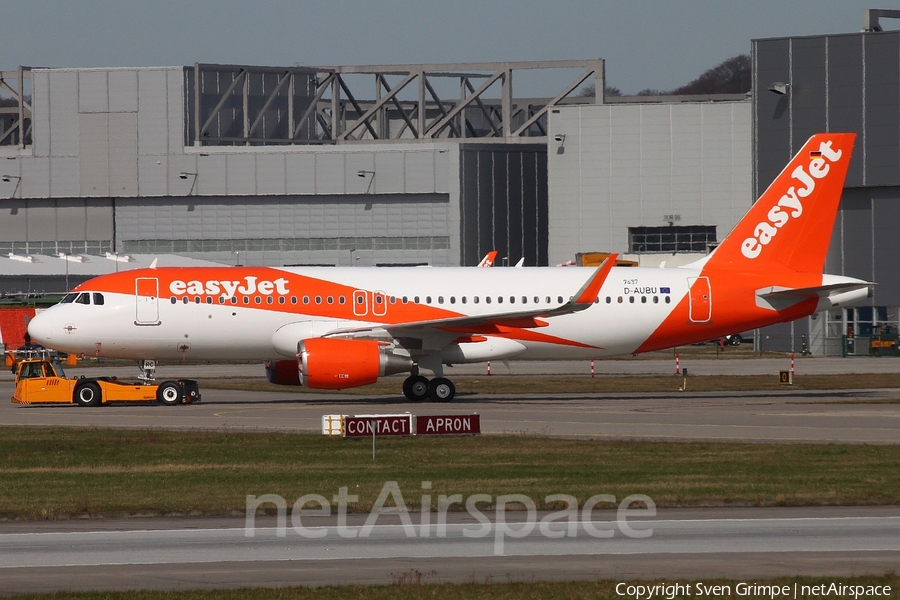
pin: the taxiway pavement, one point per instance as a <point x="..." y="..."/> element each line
<point x="191" y="553"/>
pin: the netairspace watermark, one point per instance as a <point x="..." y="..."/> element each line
<point x="670" y="591"/>
<point x="571" y="517"/>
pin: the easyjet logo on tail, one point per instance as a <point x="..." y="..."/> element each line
<point x="790" y="206"/>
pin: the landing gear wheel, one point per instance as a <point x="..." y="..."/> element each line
<point x="169" y="393"/>
<point x="88" y="394"/>
<point x="441" y="389"/>
<point x="415" y="388"/>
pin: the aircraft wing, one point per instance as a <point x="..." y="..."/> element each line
<point x="493" y="322"/>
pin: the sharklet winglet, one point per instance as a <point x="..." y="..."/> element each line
<point x="589" y="291"/>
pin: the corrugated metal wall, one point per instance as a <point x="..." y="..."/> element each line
<point x="612" y="167"/>
<point x="109" y="156"/>
<point x="845" y="82"/>
<point x="850" y="83"/>
<point x="503" y="203"/>
<point x="398" y="228"/>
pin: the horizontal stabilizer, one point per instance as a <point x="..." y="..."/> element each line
<point x="827" y="294"/>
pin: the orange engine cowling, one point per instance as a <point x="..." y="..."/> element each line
<point x="334" y="364"/>
<point x="282" y="372"/>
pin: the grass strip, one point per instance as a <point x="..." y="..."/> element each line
<point x="51" y="473"/>
<point x="574" y="590"/>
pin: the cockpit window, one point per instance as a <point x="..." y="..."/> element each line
<point x="98" y="299"/>
<point x="68" y="299"/>
<point x="83" y="298"/>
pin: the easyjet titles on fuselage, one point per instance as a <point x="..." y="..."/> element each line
<point x="247" y="286"/>
<point x="777" y="217"/>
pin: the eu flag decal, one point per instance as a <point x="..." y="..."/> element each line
<point x="665" y="290"/>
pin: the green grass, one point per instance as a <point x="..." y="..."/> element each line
<point x="592" y="590"/>
<point x="50" y="473"/>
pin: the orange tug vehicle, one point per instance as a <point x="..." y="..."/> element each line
<point x="40" y="379"/>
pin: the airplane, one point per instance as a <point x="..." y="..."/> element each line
<point x="489" y="259"/>
<point x="343" y="327"/>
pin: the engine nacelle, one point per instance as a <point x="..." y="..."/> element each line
<point x="282" y="372"/>
<point x="335" y="364"/>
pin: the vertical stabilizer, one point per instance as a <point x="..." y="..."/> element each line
<point x="790" y="225"/>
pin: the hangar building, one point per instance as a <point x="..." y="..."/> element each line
<point x="272" y="166"/>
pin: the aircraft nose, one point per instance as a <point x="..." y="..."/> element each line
<point x="40" y="329"/>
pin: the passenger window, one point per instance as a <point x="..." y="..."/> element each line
<point x="393" y="300"/>
<point x="475" y="299"/>
<point x="668" y="300"/>
<point x="234" y="299"/>
<point x="487" y="299"/>
<point x="655" y="299"/>
<point x="318" y="299"/>
<point x="548" y="299"/>
<point x="293" y="299"/>
<point x="341" y="300"/>
<point x="620" y="299"/>
<point x="379" y="299"/>
<point x="537" y="300"/>
<point x="246" y="299"/>
<point x="269" y="300"/>
<point x="280" y="299"/>
<point x="330" y="299"/>
<point x="257" y="300"/>
<point x="559" y="299"/>
<point x="174" y="299"/>
<point x="643" y="299"/>
<point x="463" y="299"/>
<point x="98" y="299"/>
<point x="197" y="300"/>
<point x="416" y="299"/>
<point x="209" y="300"/>
<point x="405" y="300"/>
<point x="440" y="299"/>
<point x="184" y="300"/>
<point x="305" y="299"/>
<point x="427" y="299"/>
<point x="499" y="299"/>
<point x="512" y="299"/>
<point x="608" y="300"/>
<point x="631" y="299"/>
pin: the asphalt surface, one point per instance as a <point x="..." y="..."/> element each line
<point x="187" y="553"/>
<point x="847" y="416"/>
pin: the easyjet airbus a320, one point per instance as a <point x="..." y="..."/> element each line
<point x="335" y="328"/>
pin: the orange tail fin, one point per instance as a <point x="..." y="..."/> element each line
<point x="790" y="225"/>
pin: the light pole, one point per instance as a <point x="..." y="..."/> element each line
<point x="65" y="258"/>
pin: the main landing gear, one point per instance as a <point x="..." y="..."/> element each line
<point x="417" y="388"/>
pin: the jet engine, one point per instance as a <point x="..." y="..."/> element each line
<point x="334" y="363"/>
<point x="282" y="372"/>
